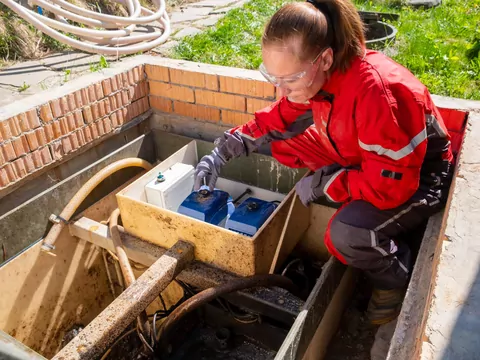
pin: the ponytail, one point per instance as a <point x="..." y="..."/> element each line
<point x="320" y="24"/>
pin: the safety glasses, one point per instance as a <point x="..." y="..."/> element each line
<point x="287" y="81"/>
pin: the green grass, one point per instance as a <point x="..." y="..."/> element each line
<point x="439" y="45"/>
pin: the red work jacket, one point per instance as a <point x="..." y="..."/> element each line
<point x="376" y="120"/>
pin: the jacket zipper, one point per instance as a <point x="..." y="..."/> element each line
<point x="330" y="99"/>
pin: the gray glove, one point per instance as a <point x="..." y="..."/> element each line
<point x="310" y="188"/>
<point x="208" y="170"/>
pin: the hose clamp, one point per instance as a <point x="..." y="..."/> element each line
<point x="57" y="219"/>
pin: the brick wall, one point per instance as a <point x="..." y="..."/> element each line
<point x="47" y="133"/>
<point x="207" y="93"/>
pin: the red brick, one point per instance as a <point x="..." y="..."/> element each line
<point x="125" y="81"/>
<point x="87" y="134"/>
<point x="49" y="132"/>
<point x="161" y="104"/>
<point x="131" y="78"/>
<point x="66" y="145"/>
<point x="172" y="91"/>
<point x="20" y="145"/>
<point x="114" y="83"/>
<point x="8" y="151"/>
<point x="100" y="128"/>
<point x="32" y="140"/>
<point x="158" y="73"/>
<point x="81" y="138"/>
<point x="14" y="124"/>
<point x="113" y="103"/>
<point x="1" y="137"/>
<point x="71" y="102"/>
<point x="57" y="150"/>
<point x="2" y="158"/>
<point x="41" y="137"/>
<point x="74" y="141"/>
<point x="64" y="105"/>
<point x="120" y="119"/>
<point x="196" y="111"/>
<point x="91" y="93"/>
<point x="37" y="159"/>
<point x="107" y="87"/>
<point x="235" y="118"/>
<point x="131" y="93"/>
<point x="145" y="104"/>
<point x="4" y="181"/>
<point x="95" y="111"/>
<point x="119" y="78"/>
<point x="87" y="114"/>
<point x="32" y="118"/>
<point x="248" y="87"/>
<point x="71" y="122"/>
<point x="226" y="101"/>
<point x="21" y="122"/>
<point x="94" y="130"/>
<point x="136" y="74"/>
<point x="193" y="78"/>
<point x="9" y="169"/>
<point x="46" y="155"/>
<point x="107" y="125"/>
<point x="114" y="120"/>
<point x="79" y="99"/>
<point x="29" y="165"/>
<point x="57" y="129"/>
<point x="119" y="101"/>
<point x="78" y="119"/>
<point x="98" y="90"/>
<point x="257" y="104"/>
<point x="5" y="129"/>
<point x="125" y="99"/>
<point x="144" y="88"/>
<point x="46" y="113"/>
<point x="102" y="110"/>
<point x="66" y="126"/>
<point x="19" y="168"/>
<point x="56" y="108"/>
<point x="126" y="115"/>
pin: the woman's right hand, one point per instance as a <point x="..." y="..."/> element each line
<point x="208" y="170"/>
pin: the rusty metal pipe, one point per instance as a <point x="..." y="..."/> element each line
<point x="126" y="268"/>
<point x="210" y="294"/>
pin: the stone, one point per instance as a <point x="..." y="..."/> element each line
<point x="189" y="31"/>
<point x="213" y="3"/>
<point x="75" y="61"/>
<point x="226" y="9"/>
<point x="425" y="3"/>
<point x="166" y="48"/>
<point x="190" y="14"/>
<point x="29" y="73"/>
<point x="209" y="21"/>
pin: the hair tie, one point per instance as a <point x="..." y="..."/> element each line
<point x="323" y="8"/>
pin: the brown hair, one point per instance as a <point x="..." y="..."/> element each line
<point x="327" y="23"/>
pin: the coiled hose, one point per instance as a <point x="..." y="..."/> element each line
<point x="95" y="32"/>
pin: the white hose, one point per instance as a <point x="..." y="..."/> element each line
<point x="98" y="33"/>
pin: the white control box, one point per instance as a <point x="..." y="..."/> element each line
<point x="177" y="184"/>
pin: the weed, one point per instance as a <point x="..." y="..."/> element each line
<point x="66" y="75"/>
<point x="439" y="45"/>
<point x="24" y="87"/>
<point x="101" y="64"/>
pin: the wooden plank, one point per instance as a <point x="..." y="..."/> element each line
<point x="296" y="223"/>
<point x="405" y="343"/>
<point x="303" y="330"/>
<point x="332" y="317"/>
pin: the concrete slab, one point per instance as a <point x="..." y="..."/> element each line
<point x="30" y="73"/>
<point x="190" y="14"/>
<point x="209" y="21"/>
<point x="212" y="3"/>
<point x="77" y="61"/>
<point x="189" y="31"/>
<point x="454" y="317"/>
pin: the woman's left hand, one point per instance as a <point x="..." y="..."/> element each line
<point x="311" y="188"/>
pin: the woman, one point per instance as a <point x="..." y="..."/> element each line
<point x="364" y="125"/>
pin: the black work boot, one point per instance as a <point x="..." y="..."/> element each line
<point x="384" y="305"/>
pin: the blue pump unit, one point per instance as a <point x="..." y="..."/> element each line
<point x="210" y="206"/>
<point x="250" y="215"/>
